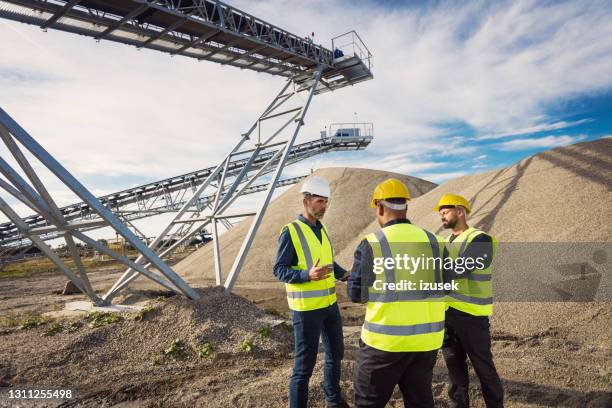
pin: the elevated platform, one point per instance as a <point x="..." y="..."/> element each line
<point x="202" y="29"/>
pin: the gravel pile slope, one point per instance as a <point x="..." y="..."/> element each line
<point x="560" y="195"/>
<point x="142" y="347"/>
<point x="349" y="213"/>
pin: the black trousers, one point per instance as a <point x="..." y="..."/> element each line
<point x="469" y="336"/>
<point x="378" y="372"/>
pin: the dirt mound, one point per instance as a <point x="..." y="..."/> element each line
<point x="349" y="213"/>
<point x="169" y="334"/>
<point x="554" y="196"/>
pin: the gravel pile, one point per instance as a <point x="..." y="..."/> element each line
<point x="349" y="213"/>
<point x="170" y="333"/>
<point x="560" y="195"/>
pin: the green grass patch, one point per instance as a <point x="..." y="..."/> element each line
<point x="144" y="312"/>
<point x="247" y="345"/>
<point x="264" y="332"/>
<point x="31" y="321"/>
<point x="99" y="319"/>
<point x="53" y="329"/>
<point x="177" y="349"/>
<point x="205" y="349"/>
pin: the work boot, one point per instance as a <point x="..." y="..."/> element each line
<point x="341" y="404"/>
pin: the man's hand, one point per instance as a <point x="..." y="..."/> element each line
<point x="319" y="272"/>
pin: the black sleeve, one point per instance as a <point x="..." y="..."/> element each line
<point x="480" y="247"/>
<point x="362" y="275"/>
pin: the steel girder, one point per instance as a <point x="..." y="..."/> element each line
<point x="34" y="194"/>
<point x="201" y="29"/>
<point x="168" y="195"/>
<point x="227" y="192"/>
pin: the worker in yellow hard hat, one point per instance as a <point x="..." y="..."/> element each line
<point x="404" y="325"/>
<point x="469" y="305"/>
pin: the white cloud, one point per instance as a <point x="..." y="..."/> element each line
<point x="534" y="129"/>
<point x="495" y="68"/>
<point x="541" y="142"/>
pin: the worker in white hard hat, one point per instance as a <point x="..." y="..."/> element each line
<point x="305" y="262"/>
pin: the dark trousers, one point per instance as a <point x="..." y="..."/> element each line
<point x="379" y="371"/>
<point x="469" y="336"/>
<point x="308" y="327"/>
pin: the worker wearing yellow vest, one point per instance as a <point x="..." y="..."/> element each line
<point x="469" y="307"/>
<point x="403" y="329"/>
<point x="305" y="262"/>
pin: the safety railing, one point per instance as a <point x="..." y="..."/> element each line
<point x="349" y="130"/>
<point x="350" y="45"/>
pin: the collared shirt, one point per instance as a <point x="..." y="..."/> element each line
<point x="286" y="257"/>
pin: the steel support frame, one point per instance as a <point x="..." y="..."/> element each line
<point x="168" y="195"/>
<point x="226" y="194"/>
<point x="35" y="195"/>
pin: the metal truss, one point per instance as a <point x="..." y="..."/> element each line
<point x="287" y="110"/>
<point x="35" y="195"/>
<point x="170" y="194"/>
<point x="202" y="29"/>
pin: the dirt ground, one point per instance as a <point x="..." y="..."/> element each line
<point x="548" y="354"/>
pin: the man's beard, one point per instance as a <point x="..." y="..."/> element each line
<point x="449" y="224"/>
<point x="318" y="215"/>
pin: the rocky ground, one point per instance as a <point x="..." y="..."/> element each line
<point x="226" y="351"/>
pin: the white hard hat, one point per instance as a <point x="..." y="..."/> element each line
<point x="317" y="186"/>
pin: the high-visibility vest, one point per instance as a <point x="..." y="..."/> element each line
<point x="405" y="320"/>
<point x="475" y="293"/>
<point x="310" y="295"/>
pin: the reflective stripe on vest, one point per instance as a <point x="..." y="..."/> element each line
<point x="310" y="295"/>
<point x="411" y="330"/>
<point x="471" y="299"/>
<point x="404" y="320"/>
<point x="396" y="295"/>
<point x="475" y="294"/>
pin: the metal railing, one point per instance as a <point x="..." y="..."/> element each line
<point x="351" y="45"/>
<point x="348" y="130"/>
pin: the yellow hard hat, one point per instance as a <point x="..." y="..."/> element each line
<point x="390" y="188"/>
<point x="453" y="200"/>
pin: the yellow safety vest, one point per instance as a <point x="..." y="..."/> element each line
<point x="310" y="295"/>
<point x="405" y="320"/>
<point x="475" y="293"/>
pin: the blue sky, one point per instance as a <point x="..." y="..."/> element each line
<point x="459" y="88"/>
